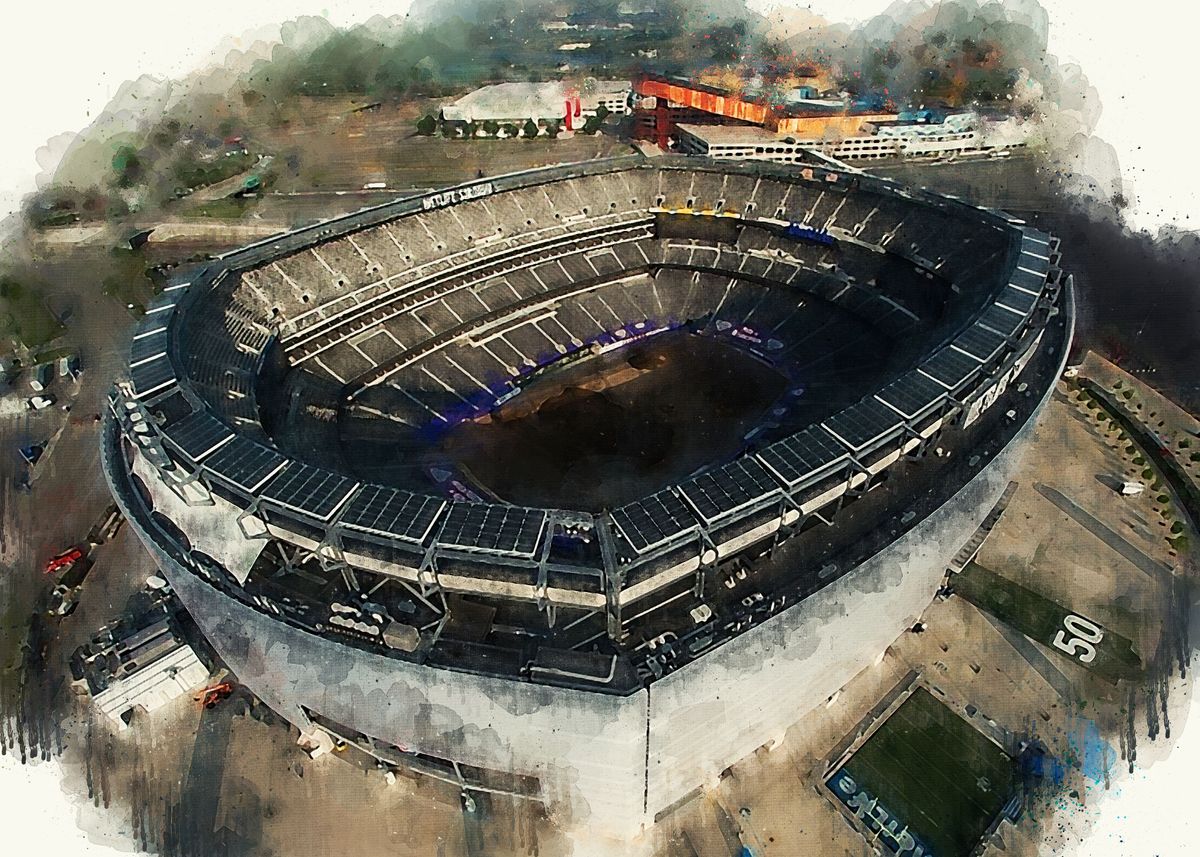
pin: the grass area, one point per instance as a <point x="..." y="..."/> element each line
<point x="228" y="208"/>
<point x="23" y="315"/>
<point x="49" y="355"/>
<point x="1040" y="619"/>
<point x="125" y="280"/>
<point x="935" y="773"/>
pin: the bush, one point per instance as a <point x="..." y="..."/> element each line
<point x="491" y="127"/>
<point x="511" y="130"/>
<point x="1148" y="473"/>
<point x="1176" y="528"/>
<point x="553" y="129"/>
<point x="531" y="129"/>
<point x="426" y="125"/>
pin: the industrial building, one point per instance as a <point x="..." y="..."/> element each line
<point x="662" y="103"/>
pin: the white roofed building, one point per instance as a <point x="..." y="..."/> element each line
<point x="543" y="102"/>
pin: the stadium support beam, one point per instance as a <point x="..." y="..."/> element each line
<point x="614" y="582"/>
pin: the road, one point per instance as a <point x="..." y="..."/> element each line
<point x="1150" y="566"/>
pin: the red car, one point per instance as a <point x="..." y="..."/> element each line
<point x="64" y="560"/>
<point x="210" y="696"/>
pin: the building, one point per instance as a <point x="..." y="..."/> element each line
<point x="514" y="103"/>
<point x="959" y="135"/>
<point x="138" y="670"/>
<point x="612" y="95"/>
<point x="663" y="103"/>
<point x="610" y="662"/>
<point x="545" y="102"/>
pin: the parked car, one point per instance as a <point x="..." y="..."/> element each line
<point x="64" y="560"/>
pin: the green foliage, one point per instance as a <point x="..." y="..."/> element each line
<point x="531" y="129"/>
<point x="491" y="127"/>
<point x="195" y="169"/>
<point x="127" y="166"/>
<point x="553" y="129"/>
<point x="727" y="43"/>
<point x="59" y="205"/>
<point x="426" y="125"/>
<point x="23" y="315"/>
<point x="511" y="130"/>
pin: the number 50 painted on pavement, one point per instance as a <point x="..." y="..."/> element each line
<point x="1086" y="636"/>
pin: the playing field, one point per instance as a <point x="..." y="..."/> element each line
<point x="933" y="774"/>
<point x="1101" y="650"/>
<point x="615" y="427"/>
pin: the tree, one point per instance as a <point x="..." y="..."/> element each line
<point x="127" y="166"/>
<point x="491" y="127"/>
<point x="426" y="125"/>
<point x="553" y="128"/>
<point x="511" y="130"/>
<point x="530" y="129"/>
<point x="471" y="129"/>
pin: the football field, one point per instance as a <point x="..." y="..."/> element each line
<point x="927" y="782"/>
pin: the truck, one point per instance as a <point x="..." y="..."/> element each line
<point x="40" y="377"/>
<point x="64" y="598"/>
<point x="106" y="525"/>
<point x="68" y="367"/>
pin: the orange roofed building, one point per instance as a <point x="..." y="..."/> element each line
<point x="663" y="103"/>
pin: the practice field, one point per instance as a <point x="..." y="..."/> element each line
<point x="927" y="781"/>
<point x="1076" y="637"/>
<point x="617" y="426"/>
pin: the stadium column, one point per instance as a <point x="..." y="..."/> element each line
<point x="614" y="581"/>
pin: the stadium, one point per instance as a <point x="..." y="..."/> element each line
<point x="582" y="483"/>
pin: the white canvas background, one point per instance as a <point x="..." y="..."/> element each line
<point x="61" y="62"/>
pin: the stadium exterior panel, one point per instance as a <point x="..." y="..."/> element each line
<point x="606" y="663"/>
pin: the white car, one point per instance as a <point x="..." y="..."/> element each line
<point x="37" y="403"/>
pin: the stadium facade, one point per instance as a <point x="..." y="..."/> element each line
<point x="265" y="448"/>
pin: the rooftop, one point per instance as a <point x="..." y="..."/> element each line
<point x="507" y="101"/>
<point x="731" y="135"/>
<point x="532" y="100"/>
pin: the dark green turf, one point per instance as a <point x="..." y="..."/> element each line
<point x="924" y="764"/>
<point x="1040" y="619"/>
